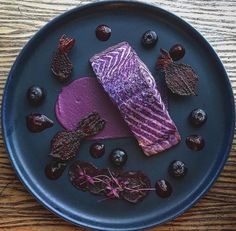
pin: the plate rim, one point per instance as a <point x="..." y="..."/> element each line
<point x="202" y="189"/>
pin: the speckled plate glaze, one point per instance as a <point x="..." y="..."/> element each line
<point x="128" y="20"/>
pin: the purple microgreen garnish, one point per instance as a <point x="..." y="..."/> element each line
<point x="132" y="186"/>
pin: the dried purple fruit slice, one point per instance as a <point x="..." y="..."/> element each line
<point x="61" y="66"/>
<point x="136" y="186"/>
<point x="66" y="144"/>
<point x="180" y="78"/>
<point x="81" y="175"/>
<point x="91" y="125"/>
<point x="100" y="181"/>
<point x="66" y="44"/>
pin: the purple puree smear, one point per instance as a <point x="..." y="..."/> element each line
<point x="84" y="96"/>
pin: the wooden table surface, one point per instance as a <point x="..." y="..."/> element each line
<point x="20" y="19"/>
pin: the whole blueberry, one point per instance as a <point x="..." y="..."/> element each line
<point x="149" y="39"/>
<point x="177" y="169"/>
<point x="35" y="95"/>
<point x="198" y="117"/>
<point x="118" y="157"/>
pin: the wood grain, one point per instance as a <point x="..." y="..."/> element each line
<point x="19" y="20"/>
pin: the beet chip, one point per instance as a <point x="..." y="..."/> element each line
<point x="61" y="66"/>
<point x="180" y="78"/>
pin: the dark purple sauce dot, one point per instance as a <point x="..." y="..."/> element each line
<point x="195" y="142"/>
<point x="54" y="169"/>
<point x="163" y="188"/>
<point x="103" y="32"/>
<point x="97" y="150"/>
<point x="177" y="52"/>
<point x="37" y="122"/>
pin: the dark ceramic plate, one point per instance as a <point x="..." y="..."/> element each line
<point x="128" y="20"/>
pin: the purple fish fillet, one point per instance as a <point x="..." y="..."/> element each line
<point x="131" y="86"/>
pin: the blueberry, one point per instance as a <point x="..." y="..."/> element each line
<point x="198" y="117"/>
<point x="118" y="157"/>
<point x="149" y="39"/>
<point x="35" y="95"/>
<point x="177" y="52"/>
<point x="177" y="169"/>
